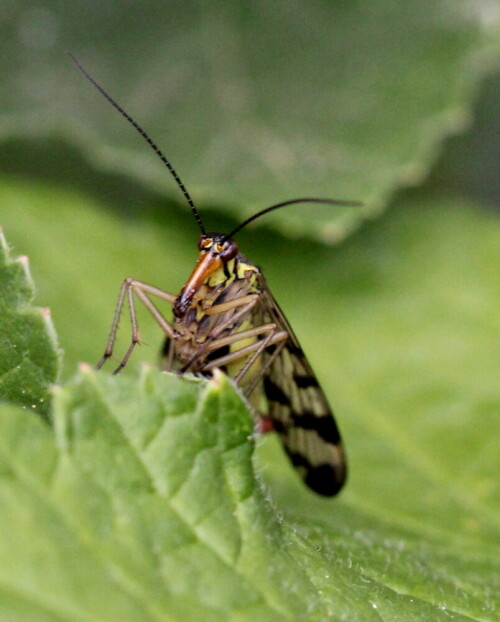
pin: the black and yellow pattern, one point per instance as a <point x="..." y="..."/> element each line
<point x="301" y="414"/>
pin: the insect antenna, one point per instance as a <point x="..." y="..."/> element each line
<point x="146" y="137"/>
<point x="246" y="222"/>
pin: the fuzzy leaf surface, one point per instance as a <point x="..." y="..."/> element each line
<point x="256" y="102"/>
<point x="29" y="356"/>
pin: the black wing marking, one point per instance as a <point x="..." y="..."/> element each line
<point x="300" y="412"/>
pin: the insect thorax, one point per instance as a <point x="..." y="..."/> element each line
<point x="195" y="329"/>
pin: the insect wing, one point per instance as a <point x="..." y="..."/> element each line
<point x="300" y="412"/>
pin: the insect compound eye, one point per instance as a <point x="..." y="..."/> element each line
<point x="204" y="243"/>
<point x="228" y="250"/>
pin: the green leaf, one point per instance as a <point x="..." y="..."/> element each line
<point x="148" y="509"/>
<point x="29" y="357"/>
<point x="147" y="505"/>
<point x="255" y="102"/>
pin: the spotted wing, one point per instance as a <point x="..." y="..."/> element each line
<point x="300" y="412"/>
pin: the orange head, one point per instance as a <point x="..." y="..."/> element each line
<point x="216" y="249"/>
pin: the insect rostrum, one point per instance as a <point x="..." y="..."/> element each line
<point x="226" y="317"/>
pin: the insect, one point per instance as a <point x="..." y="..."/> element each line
<point x="226" y="317"/>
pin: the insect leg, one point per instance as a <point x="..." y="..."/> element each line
<point x="135" y="331"/>
<point x="266" y="365"/>
<point x="242" y="334"/>
<point x="273" y="338"/>
<point x="141" y="290"/>
<point x="164" y="324"/>
<point x="248" y="303"/>
<point x="167" y="360"/>
<point x="232" y="304"/>
<point x="108" y="351"/>
<point x="258" y="330"/>
<point x="255" y="349"/>
<point x="152" y="290"/>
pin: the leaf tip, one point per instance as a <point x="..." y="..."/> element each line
<point x="218" y="377"/>
<point x="85" y="368"/>
<point x="221" y="382"/>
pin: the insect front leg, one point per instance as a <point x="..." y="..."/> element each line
<point x="129" y="288"/>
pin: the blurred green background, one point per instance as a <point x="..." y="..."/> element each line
<point x="397" y="304"/>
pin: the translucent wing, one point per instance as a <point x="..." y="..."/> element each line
<point x="300" y="412"/>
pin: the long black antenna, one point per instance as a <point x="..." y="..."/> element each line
<point x="150" y="142"/>
<point x="292" y="202"/>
